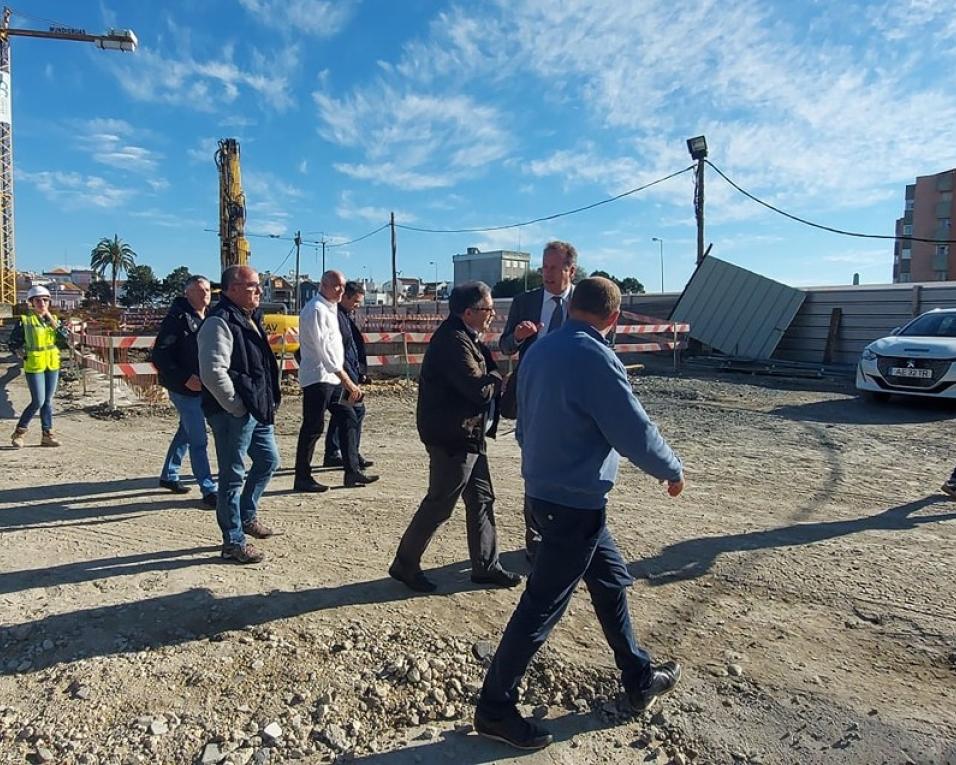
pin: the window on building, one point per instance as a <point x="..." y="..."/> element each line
<point x="945" y="222"/>
<point x="939" y="276"/>
<point x="905" y="276"/>
<point x="909" y="205"/>
<point x="906" y="253"/>
<point x="942" y="250"/>
<point x="946" y="196"/>
<point x="907" y="229"/>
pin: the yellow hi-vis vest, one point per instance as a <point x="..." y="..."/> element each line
<point x="40" y="344"/>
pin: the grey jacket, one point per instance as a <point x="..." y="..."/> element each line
<point x="215" y="354"/>
<point x="524" y="307"/>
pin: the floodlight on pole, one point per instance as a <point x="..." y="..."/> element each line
<point x="697" y="146"/>
<point x="661" y="243"/>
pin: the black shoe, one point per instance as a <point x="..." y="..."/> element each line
<point x="416" y="581"/>
<point x="364" y="463"/>
<point x="514" y="730"/>
<point x="333" y="462"/>
<point x="663" y="679"/>
<point x="949" y="489"/>
<point x="309" y="487"/>
<point x="176" y="487"/>
<point x="499" y="577"/>
<point x="359" y="479"/>
<point x="210" y="500"/>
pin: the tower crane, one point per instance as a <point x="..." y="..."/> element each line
<point x="114" y="39"/>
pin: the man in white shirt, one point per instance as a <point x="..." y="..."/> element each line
<point x="326" y="385"/>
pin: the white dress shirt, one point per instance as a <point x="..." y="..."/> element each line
<point x="320" y="343"/>
<point x="547" y="308"/>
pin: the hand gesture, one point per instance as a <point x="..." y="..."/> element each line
<point x="526" y="329"/>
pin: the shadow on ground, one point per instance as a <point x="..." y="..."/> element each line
<point x="860" y="411"/>
<point x="694" y="558"/>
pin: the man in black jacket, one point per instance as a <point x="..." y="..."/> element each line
<point x="240" y="378"/>
<point x="356" y="367"/>
<point x="458" y="391"/>
<point x="176" y="357"/>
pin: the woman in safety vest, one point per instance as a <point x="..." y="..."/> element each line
<point x="39" y="334"/>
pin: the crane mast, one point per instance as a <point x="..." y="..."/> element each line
<point x="114" y="39"/>
<point x="234" y="247"/>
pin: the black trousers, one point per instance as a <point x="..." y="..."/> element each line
<point x="333" y="446"/>
<point x="575" y="545"/>
<point x="450" y="476"/>
<point x="316" y="398"/>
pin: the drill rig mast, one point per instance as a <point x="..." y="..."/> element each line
<point x="234" y="247"/>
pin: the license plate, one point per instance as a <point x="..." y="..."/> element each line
<point x="911" y="372"/>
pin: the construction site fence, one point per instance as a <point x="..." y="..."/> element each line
<point x="393" y="353"/>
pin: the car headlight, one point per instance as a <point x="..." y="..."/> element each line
<point x="869" y="354"/>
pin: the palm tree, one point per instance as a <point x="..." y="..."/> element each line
<point x="113" y="254"/>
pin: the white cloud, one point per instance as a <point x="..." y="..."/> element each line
<point x="320" y="18"/>
<point x="807" y="119"/>
<point x="213" y="83"/>
<point x="167" y="219"/>
<point x="108" y="141"/>
<point x="75" y="190"/>
<point x="412" y="140"/>
<point x="265" y="184"/>
<point x="303" y="167"/>
<point x="347" y="209"/>
<point x="204" y="150"/>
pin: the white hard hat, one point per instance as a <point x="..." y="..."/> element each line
<point x="38" y="291"/>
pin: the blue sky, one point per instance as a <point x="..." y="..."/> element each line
<point x="472" y="114"/>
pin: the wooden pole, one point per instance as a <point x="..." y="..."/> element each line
<point x="109" y="337"/>
<point x="394" y="266"/>
<point x="699" y="210"/>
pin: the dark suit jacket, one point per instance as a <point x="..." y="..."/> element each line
<point x="458" y="381"/>
<point x="525" y="307"/>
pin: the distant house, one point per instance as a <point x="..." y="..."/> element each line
<point x="490" y="267"/>
<point x="276" y="289"/>
<point x="64" y="294"/>
<point x="407" y="288"/>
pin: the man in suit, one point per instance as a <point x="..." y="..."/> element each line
<point x="534" y="314"/>
<point x="458" y="392"/>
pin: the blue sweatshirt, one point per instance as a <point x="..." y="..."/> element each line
<point x="576" y="414"/>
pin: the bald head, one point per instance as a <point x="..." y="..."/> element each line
<point x="241" y="285"/>
<point x="332" y="286"/>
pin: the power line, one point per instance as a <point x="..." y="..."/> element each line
<point x="546" y="217"/>
<point x="357" y="239"/>
<point x="831" y="229"/>
<point x="278" y="267"/>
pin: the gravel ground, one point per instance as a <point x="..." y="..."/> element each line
<point x="802" y="580"/>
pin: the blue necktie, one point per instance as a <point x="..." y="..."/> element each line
<point x="557" y="318"/>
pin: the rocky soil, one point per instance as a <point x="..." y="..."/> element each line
<point x="804" y="580"/>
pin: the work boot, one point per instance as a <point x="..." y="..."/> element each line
<point x="17" y="438"/>
<point x="48" y="439"/>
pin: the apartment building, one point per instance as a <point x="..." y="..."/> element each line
<point x="928" y="214"/>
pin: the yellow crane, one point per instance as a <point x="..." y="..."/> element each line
<point x="114" y="39"/>
<point x="234" y="247"/>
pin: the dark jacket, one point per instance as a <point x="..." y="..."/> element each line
<point x="253" y="369"/>
<point x="356" y="363"/>
<point x="524" y="307"/>
<point x="175" y="352"/>
<point x="458" y="382"/>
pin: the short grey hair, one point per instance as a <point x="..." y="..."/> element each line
<point x="195" y="279"/>
<point x="565" y="248"/>
<point x="466" y="296"/>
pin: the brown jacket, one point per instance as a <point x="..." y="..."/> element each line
<point x="458" y="382"/>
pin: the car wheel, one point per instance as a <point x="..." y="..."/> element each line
<point x="877" y="396"/>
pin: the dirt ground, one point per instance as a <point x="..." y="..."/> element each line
<point x="804" y="579"/>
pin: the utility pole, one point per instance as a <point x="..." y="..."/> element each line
<point x="295" y="288"/>
<point x="114" y="39"/>
<point x="323" y="253"/>
<point x="698" y="152"/>
<point x="394" y="266"/>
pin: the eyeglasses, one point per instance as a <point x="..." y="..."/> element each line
<point x="482" y="308"/>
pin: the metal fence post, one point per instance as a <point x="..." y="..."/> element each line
<point x="676" y="349"/>
<point x="109" y="338"/>
<point x="405" y="354"/>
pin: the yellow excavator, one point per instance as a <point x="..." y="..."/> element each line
<point x="283" y="328"/>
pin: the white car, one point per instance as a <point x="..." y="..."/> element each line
<point x="918" y="359"/>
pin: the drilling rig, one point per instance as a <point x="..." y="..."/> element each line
<point x="234" y="247"/>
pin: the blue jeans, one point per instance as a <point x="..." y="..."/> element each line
<point x="239" y="491"/>
<point x="575" y="545"/>
<point x="191" y="435"/>
<point x="42" y="387"/>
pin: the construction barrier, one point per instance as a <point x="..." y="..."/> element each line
<point x="108" y="353"/>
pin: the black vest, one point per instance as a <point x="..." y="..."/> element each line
<point x="252" y="366"/>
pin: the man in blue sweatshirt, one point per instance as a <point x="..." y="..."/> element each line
<point x="576" y="415"/>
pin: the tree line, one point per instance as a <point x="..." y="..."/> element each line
<point x="111" y="258"/>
